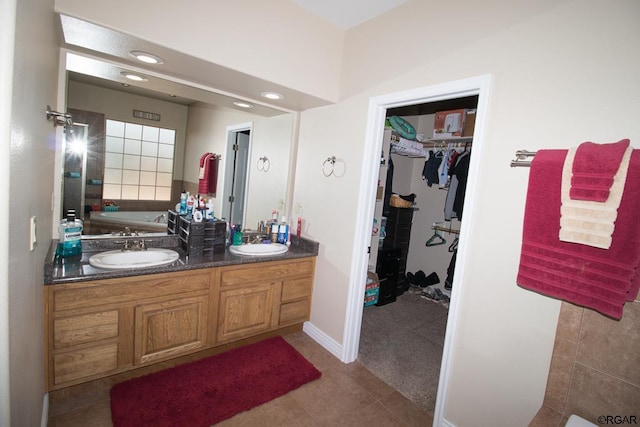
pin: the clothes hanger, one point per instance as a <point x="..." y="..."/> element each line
<point x="453" y="246"/>
<point x="436" y="239"/>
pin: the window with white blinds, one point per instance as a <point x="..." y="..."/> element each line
<point x="138" y="163"/>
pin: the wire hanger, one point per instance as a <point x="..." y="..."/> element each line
<point x="436" y="239"/>
<point x="453" y="246"/>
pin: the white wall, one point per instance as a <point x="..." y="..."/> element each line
<point x="7" y="39"/>
<point x="32" y="144"/>
<point x="276" y="40"/>
<point x="271" y="137"/>
<point x="117" y="105"/>
<point x="563" y="73"/>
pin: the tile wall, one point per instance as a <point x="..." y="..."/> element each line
<point x="595" y="368"/>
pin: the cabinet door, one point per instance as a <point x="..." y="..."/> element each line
<point x="247" y="310"/>
<point x="170" y="328"/>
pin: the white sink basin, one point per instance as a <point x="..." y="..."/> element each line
<point x="119" y="259"/>
<point x="259" y="249"/>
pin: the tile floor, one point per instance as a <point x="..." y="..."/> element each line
<point x="345" y="395"/>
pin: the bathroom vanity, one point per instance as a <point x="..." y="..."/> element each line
<point x="100" y="323"/>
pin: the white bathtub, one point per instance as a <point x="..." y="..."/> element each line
<point x="145" y="219"/>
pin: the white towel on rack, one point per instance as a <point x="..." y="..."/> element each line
<point x="587" y="222"/>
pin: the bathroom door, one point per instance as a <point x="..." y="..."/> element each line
<point x="236" y="176"/>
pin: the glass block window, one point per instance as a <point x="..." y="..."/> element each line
<point x="138" y="162"/>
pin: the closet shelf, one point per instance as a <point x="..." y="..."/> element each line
<point x="445" y="229"/>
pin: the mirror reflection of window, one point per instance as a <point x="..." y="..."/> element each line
<point x="138" y="161"/>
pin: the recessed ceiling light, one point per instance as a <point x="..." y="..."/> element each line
<point x="135" y="77"/>
<point x="272" y="95"/>
<point x="242" y="104"/>
<point x="146" y="57"/>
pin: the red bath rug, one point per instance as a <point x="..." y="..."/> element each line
<point x="210" y="390"/>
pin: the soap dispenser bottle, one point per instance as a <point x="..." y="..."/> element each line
<point x="69" y="236"/>
<point x="283" y="230"/>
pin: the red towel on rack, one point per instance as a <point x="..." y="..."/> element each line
<point x="601" y="279"/>
<point x="594" y="167"/>
<point x="208" y="178"/>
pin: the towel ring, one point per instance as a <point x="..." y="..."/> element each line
<point x="263" y="164"/>
<point x="331" y="161"/>
<point x="329" y="167"/>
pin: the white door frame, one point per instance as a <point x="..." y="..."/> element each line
<point x="228" y="155"/>
<point x="366" y="203"/>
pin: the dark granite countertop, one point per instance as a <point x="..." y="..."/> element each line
<point x="78" y="269"/>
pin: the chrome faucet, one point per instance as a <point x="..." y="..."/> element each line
<point x="134" y="245"/>
<point x="127" y="232"/>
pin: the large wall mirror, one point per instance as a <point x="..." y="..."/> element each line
<point x="135" y="147"/>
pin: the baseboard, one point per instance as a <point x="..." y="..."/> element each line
<point x="446" y="423"/>
<point x="323" y="339"/>
<point x="45" y="410"/>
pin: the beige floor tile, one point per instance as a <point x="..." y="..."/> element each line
<point x="345" y="395"/>
<point x="407" y="411"/>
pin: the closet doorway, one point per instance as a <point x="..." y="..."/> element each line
<point x="378" y="107"/>
<point x="236" y="173"/>
<point x="413" y="251"/>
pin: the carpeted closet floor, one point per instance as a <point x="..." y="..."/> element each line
<point x="402" y="342"/>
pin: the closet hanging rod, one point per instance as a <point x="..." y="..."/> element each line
<point x="522" y="157"/>
<point x="454" y="142"/>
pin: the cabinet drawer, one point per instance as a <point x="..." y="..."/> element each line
<point x="258" y="272"/>
<point x="295" y="289"/>
<point x="85" y="328"/>
<point x="86" y="362"/>
<point x="294" y="312"/>
<point x="113" y="291"/>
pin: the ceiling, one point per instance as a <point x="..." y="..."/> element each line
<point x="346" y="14"/>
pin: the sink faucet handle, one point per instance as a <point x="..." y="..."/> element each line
<point x="126" y="242"/>
<point x="143" y="244"/>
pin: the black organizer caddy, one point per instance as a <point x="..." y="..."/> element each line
<point x="197" y="238"/>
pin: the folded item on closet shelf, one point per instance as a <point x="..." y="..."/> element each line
<point x="408" y="147"/>
<point x="593" y="169"/>
<point x="591" y="277"/>
<point x="587" y="222"/>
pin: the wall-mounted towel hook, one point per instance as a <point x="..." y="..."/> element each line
<point x="63" y="119"/>
<point x="264" y="164"/>
<point x="329" y="167"/>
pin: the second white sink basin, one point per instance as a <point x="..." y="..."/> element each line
<point x="119" y="259"/>
<point x="259" y="249"/>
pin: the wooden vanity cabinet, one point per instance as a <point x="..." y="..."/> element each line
<point x="260" y="297"/>
<point x="100" y="328"/>
<point x="108" y="326"/>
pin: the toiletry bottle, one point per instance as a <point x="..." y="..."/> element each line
<point x="70" y="236"/>
<point x="282" y="231"/>
<point x="299" y="229"/>
<point x="183" y="203"/>
<point x="274" y="232"/>
<point x="191" y="204"/>
<point x="210" y="209"/>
